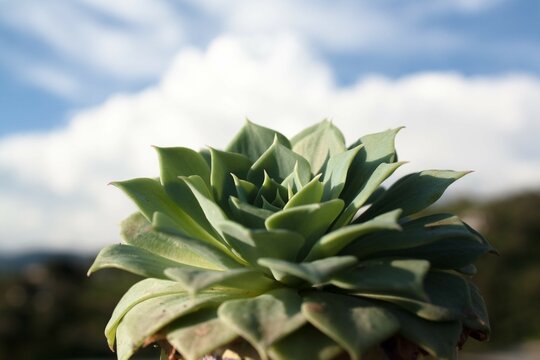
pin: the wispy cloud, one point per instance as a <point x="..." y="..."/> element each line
<point x="52" y="185"/>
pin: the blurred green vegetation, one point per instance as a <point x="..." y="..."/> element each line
<point x="49" y="309"/>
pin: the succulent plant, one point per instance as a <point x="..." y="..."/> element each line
<point x="292" y="249"/>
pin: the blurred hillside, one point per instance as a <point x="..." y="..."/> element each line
<point x="49" y="309"/>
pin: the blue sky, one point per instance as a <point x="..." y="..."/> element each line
<point x="86" y="86"/>
<point x="471" y="37"/>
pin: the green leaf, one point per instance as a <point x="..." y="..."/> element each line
<point x="293" y="182"/>
<point x="181" y="161"/>
<point x="357" y="325"/>
<point x="137" y="231"/>
<point x="366" y="186"/>
<point x="212" y="211"/>
<point x="438" y="339"/>
<point x="223" y="165"/>
<point x="318" y="142"/>
<point x="133" y="259"/>
<point x="311" y="221"/>
<point x="293" y="346"/>
<point x="265" y="319"/>
<point x="335" y="172"/>
<point x="420" y="234"/>
<point x="217" y="253"/>
<point x="141" y="291"/>
<point x="449" y="299"/>
<point x="316" y="272"/>
<point x="150" y="197"/>
<point x="252" y="245"/>
<point x="333" y="242"/>
<point x="145" y="319"/>
<point x="248" y="215"/>
<point x="269" y="189"/>
<point x="378" y="148"/>
<point x="478" y="322"/>
<point x="253" y="140"/>
<point x="245" y="190"/>
<point x="279" y="162"/>
<point x="198" y="334"/>
<point x="309" y="194"/>
<point x="413" y="192"/>
<point x="195" y="280"/>
<point x="400" y="277"/>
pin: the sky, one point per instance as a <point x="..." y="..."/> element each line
<point x="87" y="86"/>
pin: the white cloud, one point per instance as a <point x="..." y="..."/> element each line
<point x="53" y="184"/>
<point x="124" y="39"/>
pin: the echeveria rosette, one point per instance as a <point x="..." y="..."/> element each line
<point x="266" y="244"/>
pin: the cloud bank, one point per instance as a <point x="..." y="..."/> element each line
<point x="53" y="185"/>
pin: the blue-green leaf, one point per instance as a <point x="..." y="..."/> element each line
<point x="132" y="259"/>
<point x="265" y="319"/>
<point x="293" y="346"/>
<point x="181" y="161"/>
<point x="316" y="272"/>
<point x="333" y="242"/>
<point x="254" y="244"/>
<point x="357" y="325"/>
<point x="248" y="215"/>
<point x="335" y="172"/>
<point x="223" y="165"/>
<point x="195" y="280"/>
<point x="318" y="142"/>
<point x="309" y="194"/>
<point x="311" y="221"/>
<point x="378" y="148"/>
<point x="402" y="277"/>
<point x="367" y="186"/>
<point x="253" y="140"/>
<point x="198" y="334"/>
<point x="137" y="231"/>
<point x="279" y="162"/>
<point x="414" y="192"/>
<point x="141" y="291"/>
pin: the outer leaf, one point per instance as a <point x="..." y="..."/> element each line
<point x="137" y="231"/>
<point x="355" y="324"/>
<point x="479" y="322"/>
<point x="449" y="299"/>
<point x="198" y="334"/>
<point x="279" y="162"/>
<point x="316" y="272"/>
<point x="150" y="198"/>
<point x="335" y="172"/>
<point x="333" y="242"/>
<point x="311" y="221"/>
<point x="223" y="165"/>
<point x="389" y="276"/>
<point x="248" y="215"/>
<point x="133" y="259"/>
<point x="150" y="316"/>
<point x="318" y="142"/>
<point x="213" y="212"/>
<point x="265" y="319"/>
<point x="143" y="290"/>
<point x="378" y="148"/>
<point x="181" y="161"/>
<point x="439" y="339"/>
<point x="416" y="235"/>
<point x="252" y="245"/>
<point x="195" y="280"/>
<point x="216" y="252"/>
<point x="293" y="347"/>
<point x="253" y="140"/>
<point x="367" y="185"/>
<point x="309" y="194"/>
<point x="413" y="192"/>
